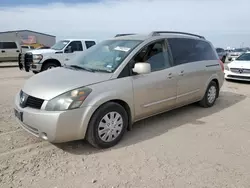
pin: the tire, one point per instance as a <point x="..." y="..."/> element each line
<point x="49" y="65"/>
<point x="212" y="90"/>
<point x="100" y="140"/>
<point x="35" y="72"/>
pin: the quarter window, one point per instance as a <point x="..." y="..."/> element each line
<point x="190" y="50"/>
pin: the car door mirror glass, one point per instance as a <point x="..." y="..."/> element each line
<point x="142" y="68"/>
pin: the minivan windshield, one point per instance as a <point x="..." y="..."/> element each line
<point x="105" y="56"/>
<point x="60" y="45"/>
<point x="244" y="57"/>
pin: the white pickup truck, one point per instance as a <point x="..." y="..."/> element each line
<point x="58" y="55"/>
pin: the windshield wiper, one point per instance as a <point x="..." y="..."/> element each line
<point x="82" y="68"/>
<point x="101" y="70"/>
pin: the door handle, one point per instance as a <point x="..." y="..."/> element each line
<point x="169" y="76"/>
<point x="3" y="51"/>
<point x="17" y="51"/>
<point x="181" y="73"/>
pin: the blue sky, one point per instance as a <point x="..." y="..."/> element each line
<point x="224" y="22"/>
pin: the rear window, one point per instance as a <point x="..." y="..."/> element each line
<point x="26" y="47"/>
<point x="9" y="45"/>
<point x="89" y="44"/>
<point x="190" y="50"/>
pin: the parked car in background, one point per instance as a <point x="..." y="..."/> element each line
<point x="239" y="69"/>
<point x="235" y="53"/>
<point x="59" y="54"/>
<point x="26" y="48"/>
<point x="102" y="92"/>
<point x="222" y="54"/>
<point x="42" y="47"/>
<point x="9" y="51"/>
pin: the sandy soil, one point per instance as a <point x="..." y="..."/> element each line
<point x="188" y="147"/>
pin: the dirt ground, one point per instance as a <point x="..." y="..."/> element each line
<point x="188" y="147"/>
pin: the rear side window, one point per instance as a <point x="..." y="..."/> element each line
<point x="190" y="50"/>
<point x="25" y="47"/>
<point x="9" y="45"/>
<point x="89" y="44"/>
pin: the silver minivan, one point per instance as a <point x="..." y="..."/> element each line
<point x="101" y="93"/>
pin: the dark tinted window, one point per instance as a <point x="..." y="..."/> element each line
<point x="219" y="50"/>
<point x="190" y="50"/>
<point x="155" y="54"/>
<point x="89" y="44"/>
<point x="9" y="45"/>
<point x="76" y="45"/>
<point x="25" y="47"/>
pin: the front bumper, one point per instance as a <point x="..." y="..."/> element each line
<point x="25" y="61"/>
<point x="56" y="127"/>
<point x="236" y="76"/>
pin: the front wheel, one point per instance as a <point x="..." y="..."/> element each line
<point x="35" y="72"/>
<point x="49" y="65"/>
<point x="210" y="95"/>
<point x="107" y="126"/>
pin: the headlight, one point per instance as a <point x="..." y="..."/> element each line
<point x="37" y="57"/>
<point x="69" y="100"/>
<point x="226" y="67"/>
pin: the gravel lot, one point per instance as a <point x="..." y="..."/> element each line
<point x="188" y="147"/>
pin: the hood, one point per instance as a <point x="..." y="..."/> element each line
<point x="240" y="64"/>
<point x="41" y="51"/>
<point x="51" y="83"/>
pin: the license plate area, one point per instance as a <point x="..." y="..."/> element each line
<point x="18" y="114"/>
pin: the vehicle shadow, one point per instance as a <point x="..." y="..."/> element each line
<point x="158" y="125"/>
<point x="239" y="82"/>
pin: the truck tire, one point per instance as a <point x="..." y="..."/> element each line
<point x="49" y="65"/>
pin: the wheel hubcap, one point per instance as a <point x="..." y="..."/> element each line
<point x="211" y="94"/>
<point x="110" y="126"/>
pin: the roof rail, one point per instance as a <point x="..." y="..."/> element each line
<point x="124" y="34"/>
<point x="157" y="33"/>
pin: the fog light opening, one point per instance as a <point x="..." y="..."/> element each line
<point x="44" y="136"/>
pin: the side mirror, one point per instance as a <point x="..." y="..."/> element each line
<point x="142" y="68"/>
<point x="68" y="49"/>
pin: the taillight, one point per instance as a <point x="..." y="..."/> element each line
<point x="222" y="65"/>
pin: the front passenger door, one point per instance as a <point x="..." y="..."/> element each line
<point x="154" y="92"/>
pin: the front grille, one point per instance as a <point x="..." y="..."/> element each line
<point x="238" y="70"/>
<point x="240" y="77"/>
<point x="34" y="102"/>
<point x="28" y="59"/>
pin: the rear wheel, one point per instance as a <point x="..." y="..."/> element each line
<point x="210" y="95"/>
<point x="107" y="126"/>
<point x="35" y="72"/>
